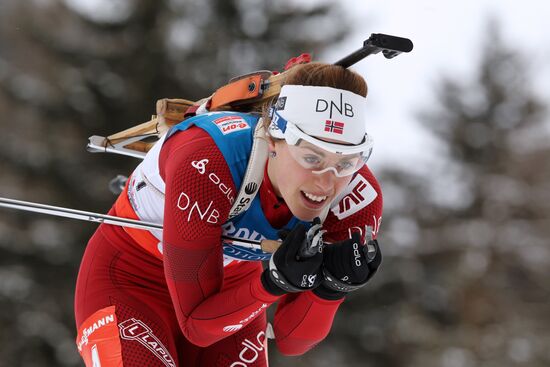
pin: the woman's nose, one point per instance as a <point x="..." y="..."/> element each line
<point x="325" y="181"/>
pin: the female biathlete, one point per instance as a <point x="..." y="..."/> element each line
<point x="185" y="296"/>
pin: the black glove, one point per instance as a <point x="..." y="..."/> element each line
<point x="347" y="266"/>
<point x="291" y="269"/>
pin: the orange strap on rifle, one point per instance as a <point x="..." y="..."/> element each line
<point x="248" y="87"/>
<point x="242" y="89"/>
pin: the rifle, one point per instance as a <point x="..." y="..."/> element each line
<point x="241" y="93"/>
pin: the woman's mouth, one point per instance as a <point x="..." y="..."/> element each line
<point x="313" y="201"/>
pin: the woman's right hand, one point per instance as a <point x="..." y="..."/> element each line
<point x="290" y="272"/>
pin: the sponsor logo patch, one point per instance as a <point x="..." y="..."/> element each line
<point x="231" y="124"/>
<point x="208" y="214"/>
<point x="96" y="322"/>
<point x="357" y="195"/>
<point x="280" y="105"/>
<point x="137" y="330"/>
<point x="98" y="339"/>
<point x="308" y="280"/>
<point x="341" y="107"/>
<point x="200" y="165"/>
<point x="232" y="328"/>
<point x="240" y="205"/>
<point x="278" y="123"/>
<point x="201" y="168"/>
<point x="252" y="349"/>
<point x="253" y="314"/>
<point x="236" y="252"/>
<point x="250" y="188"/>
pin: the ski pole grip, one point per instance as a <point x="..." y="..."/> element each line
<point x="313" y="242"/>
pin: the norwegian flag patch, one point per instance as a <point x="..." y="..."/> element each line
<point x="336" y="127"/>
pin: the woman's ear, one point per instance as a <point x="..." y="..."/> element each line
<point x="270" y="144"/>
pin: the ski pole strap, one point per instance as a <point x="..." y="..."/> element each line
<point x="313" y="241"/>
<point x="331" y="282"/>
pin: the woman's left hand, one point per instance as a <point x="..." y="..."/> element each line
<point x="347" y="266"/>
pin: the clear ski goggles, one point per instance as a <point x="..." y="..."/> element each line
<point x="321" y="156"/>
<point x="324" y="128"/>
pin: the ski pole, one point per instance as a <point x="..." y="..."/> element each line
<point x="264" y="245"/>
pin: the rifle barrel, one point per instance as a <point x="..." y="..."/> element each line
<point x="390" y="46"/>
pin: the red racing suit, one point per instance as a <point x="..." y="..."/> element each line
<point x="187" y="306"/>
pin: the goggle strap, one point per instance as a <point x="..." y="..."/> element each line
<point x="277" y="127"/>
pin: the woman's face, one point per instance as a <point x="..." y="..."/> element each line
<point x="306" y="193"/>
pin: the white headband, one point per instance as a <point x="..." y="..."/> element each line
<point x="323" y="112"/>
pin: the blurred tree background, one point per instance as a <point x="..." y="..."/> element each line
<point x="466" y="257"/>
<point x="465" y="276"/>
<point x="69" y="71"/>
